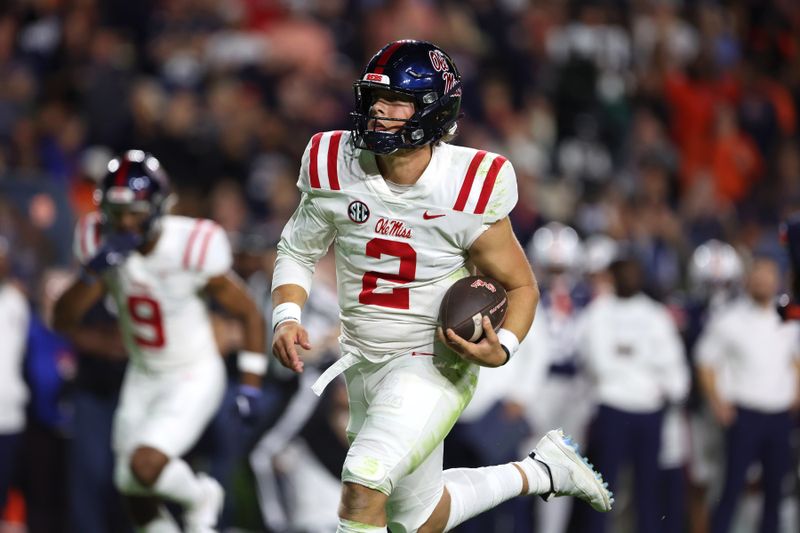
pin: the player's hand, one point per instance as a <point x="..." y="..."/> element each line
<point x="112" y="253"/>
<point x="247" y="398"/>
<point x="287" y="337"/>
<point x="724" y="412"/>
<point x="488" y="352"/>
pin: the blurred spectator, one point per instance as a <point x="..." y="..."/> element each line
<point x="735" y="162"/>
<point x="600" y="251"/>
<point x="50" y="370"/>
<point x="634" y="356"/>
<point x="715" y="274"/>
<point x="14" y="319"/>
<point x="749" y="367"/>
<point x="562" y="399"/>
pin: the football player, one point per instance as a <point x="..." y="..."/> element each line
<point x="406" y="211"/>
<point x="159" y="269"/>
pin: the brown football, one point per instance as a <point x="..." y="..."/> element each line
<point x="467" y="301"/>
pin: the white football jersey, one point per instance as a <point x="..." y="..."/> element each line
<point x="162" y="314"/>
<point x="398" y="249"/>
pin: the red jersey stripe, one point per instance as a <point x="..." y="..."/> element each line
<point x="466" y="187"/>
<point x="333" y="158"/>
<point x="187" y="253"/>
<point x="313" y="168"/>
<point x="204" y="246"/>
<point x="488" y="183"/>
<point x="387" y="54"/>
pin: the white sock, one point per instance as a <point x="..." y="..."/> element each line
<point x="475" y="490"/>
<point x="177" y="482"/>
<point x="163" y="523"/>
<point x="537" y="474"/>
<point x="348" y="526"/>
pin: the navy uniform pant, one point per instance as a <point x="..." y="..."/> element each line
<point x="618" y="437"/>
<point x="754" y="436"/>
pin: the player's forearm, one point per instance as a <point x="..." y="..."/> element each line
<point x="289" y="293"/>
<point x="230" y="292"/>
<point x="73" y="304"/>
<point x="708" y="383"/>
<point x="522" y="303"/>
<point x="102" y="342"/>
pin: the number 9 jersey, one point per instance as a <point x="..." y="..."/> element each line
<point x="162" y="313"/>
<point x="398" y="248"/>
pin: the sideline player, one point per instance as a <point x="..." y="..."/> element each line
<point x="406" y="212"/>
<point x="159" y="268"/>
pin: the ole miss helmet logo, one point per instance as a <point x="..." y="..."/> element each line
<point x="358" y="211"/>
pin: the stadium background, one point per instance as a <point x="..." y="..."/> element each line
<point x="662" y="122"/>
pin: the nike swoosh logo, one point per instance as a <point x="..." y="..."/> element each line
<point x="428" y="216"/>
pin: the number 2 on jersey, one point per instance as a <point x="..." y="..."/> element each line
<point x="146" y="314"/>
<point x="396" y="298"/>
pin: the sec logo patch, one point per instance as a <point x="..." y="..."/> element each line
<point x="358" y="211"/>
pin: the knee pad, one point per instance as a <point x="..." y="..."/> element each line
<point x="126" y="482"/>
<point x="367" y="471"/>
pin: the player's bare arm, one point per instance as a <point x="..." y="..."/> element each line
<point x="101" y="341"/>
<point x="229" y="291"/>
<point x="498" y="254"/>
<point x="289" y="333"/>
<point x="74" y="303"/>
<point x="70" y="308"/>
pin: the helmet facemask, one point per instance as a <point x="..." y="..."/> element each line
<point x="426" y="125"/>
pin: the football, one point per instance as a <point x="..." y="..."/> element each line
<point x="467" y="301"/>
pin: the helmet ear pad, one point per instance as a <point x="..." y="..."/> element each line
<point x="420" y="71"/>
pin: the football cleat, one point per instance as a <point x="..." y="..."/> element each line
<point x="570" y="473"/>
<point x="202" y="517"/>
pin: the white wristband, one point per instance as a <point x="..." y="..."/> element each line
<point x="285" y="311"/>
<point x="252" y="362"/>
<point x="509" y="341"/>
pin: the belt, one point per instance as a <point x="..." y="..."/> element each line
<point x="332" y="371"/>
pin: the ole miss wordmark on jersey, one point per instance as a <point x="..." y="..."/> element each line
<point x="397" y="248"/>
<point x="163" y="317"/>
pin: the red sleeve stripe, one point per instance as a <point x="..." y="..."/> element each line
<point x="187" y="253"/>
<point x="466" y="187"/>
<point x="333" y="160"/>
<point x="384" y="59"/>
<point x="204" y="246"/>
<point x="313" y="166"/>
<point x="488" y="183"/>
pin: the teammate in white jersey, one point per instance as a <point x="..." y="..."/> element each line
<point x="159" y="269"/>
<point x="407" y="212"/>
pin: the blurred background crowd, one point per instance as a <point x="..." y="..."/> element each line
<point x="661" y="123"/>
